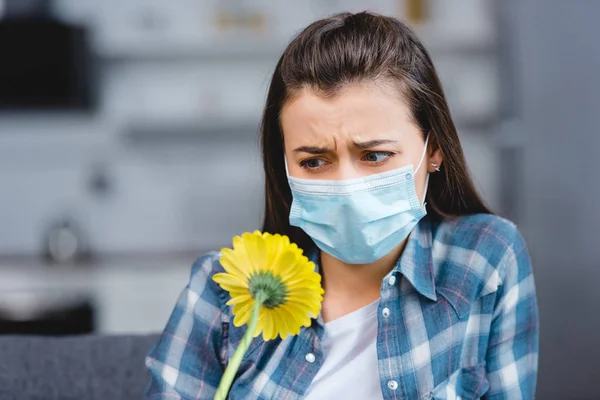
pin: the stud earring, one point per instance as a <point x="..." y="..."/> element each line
<point x="437" y="167"/>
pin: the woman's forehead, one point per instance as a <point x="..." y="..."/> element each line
<point x="358" y="113"/>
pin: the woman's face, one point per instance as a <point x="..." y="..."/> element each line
<point x="363" y="130"/>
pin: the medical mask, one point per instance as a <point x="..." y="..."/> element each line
<point x="358" y="221"/>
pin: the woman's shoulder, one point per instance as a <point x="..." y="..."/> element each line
<point x="482" y="232"/>
<point x="201" y="278"/>
<point x="475" y="253"/>
<point x="483" y="245"/>
<point x="207" y="264"/>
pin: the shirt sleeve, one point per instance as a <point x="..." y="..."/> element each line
<point x="186" y="363"/>
<point x="512" y="356"/>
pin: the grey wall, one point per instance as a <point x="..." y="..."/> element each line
<point x="556" y="103"/>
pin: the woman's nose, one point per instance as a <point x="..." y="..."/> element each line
<point x="347" y="169"/>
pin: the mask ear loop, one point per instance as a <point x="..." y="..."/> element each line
<point x="425" y="191"/>
<point x="423" y="203"/>
<point x="423" y="154"/>
<point x="287" y="172"/>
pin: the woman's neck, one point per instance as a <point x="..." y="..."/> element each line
<point x="352" y="286"/>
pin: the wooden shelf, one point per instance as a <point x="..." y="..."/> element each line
<point x="191" y="132"/>
<point x="225" y="50"/>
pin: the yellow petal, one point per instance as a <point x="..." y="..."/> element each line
<point x="275" y="324"/>
<point x="242" y="259"/>
<point x="286" y="322"/>
<point x="303" y="293"/>
<point x="242" y="313"/>
<point x="260" y="327"/>
<point x="311" y="308"/>
<point x="239" y="256"/>
<point x="239" y="298"/>
<point x="301" y="280"/>
<point x="240" y="319"/>
<point x="230" y="282"/>
<point x="299" y="314"/>
<point x="268" y="325"/>
<point x="230" y="261"/>
<point x="286" y="260"/>
<point x="257" y="252"/>
<point x="244" y="306"/>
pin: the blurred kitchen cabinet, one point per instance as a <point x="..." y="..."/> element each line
<point x="188" y="203"/>
<point x="459" y="25"/>
<point x="149" y="27"/>
<point x="32" y="200"/>
<point x="155" y="28"/>
<point x="186" y="92"/>
<point x="195" y="199"/>
<point x="139" y="29"/>
<point x="138" y="298"/>
<point x="127" y="28"/>
<point x="289" y="17"/>
<point x="131" y="295"/>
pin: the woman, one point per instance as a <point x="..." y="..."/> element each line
<point x="428" y="295"/>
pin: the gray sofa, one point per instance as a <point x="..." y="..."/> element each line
<point x="73" y="368"/>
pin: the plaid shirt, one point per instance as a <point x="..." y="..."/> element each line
<point x="457" y="320"/>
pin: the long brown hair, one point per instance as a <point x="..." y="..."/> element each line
<point x="353" y="48"/>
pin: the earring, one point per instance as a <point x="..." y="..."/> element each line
<point x="437" y="168"/>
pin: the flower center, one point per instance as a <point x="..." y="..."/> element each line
<point x="271" y="286"/>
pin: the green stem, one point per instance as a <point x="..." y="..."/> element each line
<point x="236" y="360"/>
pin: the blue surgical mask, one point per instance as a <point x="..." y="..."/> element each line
<point x="358" y="221"/>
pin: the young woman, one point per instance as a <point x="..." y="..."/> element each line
<point x="428" y="295"/>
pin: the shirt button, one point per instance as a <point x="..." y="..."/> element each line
<point x="310" y="357"/>
<point x="408" y="176"/>
<point x="385" y="312"/>
<point x="393" y="385"/>
<point x="392" y="280"/>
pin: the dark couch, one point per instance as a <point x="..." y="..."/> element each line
<point x="73" y="368"/>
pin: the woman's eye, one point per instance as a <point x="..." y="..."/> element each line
<point x="376" y="156"/>
<point x="313" y="163"/>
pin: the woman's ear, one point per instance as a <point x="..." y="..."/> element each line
<point x="435" y="161"/>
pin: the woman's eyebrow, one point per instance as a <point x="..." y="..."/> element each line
<point x="312" y="150"/>
<point x="372" y="143"/>
<point x="361" y="145"/>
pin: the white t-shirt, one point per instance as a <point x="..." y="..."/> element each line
<point x="350" y="369"/>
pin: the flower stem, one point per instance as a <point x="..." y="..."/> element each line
<point x="236" y="360"/>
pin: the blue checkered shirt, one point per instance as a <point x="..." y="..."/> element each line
<point x="459" y="320"/>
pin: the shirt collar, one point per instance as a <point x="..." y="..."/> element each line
<point x="415" y="263"/>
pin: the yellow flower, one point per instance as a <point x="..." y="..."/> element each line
<point x="269" y="269"/>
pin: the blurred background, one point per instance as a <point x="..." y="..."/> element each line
<point x="128" y="147"/>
